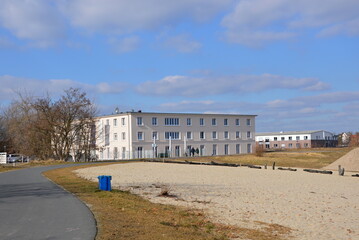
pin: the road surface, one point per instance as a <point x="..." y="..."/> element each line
<point x="32" y="207"/>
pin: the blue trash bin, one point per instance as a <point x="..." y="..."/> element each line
<point x="104" y="182"/>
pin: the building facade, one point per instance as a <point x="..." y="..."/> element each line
<point x="296" y="139"/>
<point x="146" y="135"/>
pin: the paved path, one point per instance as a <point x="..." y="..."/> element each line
<point x="32" y="207"/>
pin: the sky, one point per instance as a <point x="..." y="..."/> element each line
<point x="295" y="64"/>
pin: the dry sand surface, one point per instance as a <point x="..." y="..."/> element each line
<point x="350" y="161"/>
<point x="315" y="206"/>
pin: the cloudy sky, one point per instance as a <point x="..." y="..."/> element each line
<point x="293" y="63"/>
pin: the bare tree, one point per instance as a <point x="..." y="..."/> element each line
<point x="69" y="120"/>
<point x="52" y="129"/>
<point x="3" y="135"/>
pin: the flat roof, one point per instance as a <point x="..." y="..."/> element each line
<point x="159" y="113"/>
<point x="288" y="133"/>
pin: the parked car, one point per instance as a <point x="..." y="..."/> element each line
<point x="12" y="158"/>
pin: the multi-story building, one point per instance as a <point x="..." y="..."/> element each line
<point x="145" y="135"/>
<point x="296" y="139"/>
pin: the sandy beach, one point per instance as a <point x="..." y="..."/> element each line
<point x="315" y="206"/>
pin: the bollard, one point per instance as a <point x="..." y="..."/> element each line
<point x="341" y="173"/>
<point x="339" y="169"/>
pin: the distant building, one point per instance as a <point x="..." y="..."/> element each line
<point x="140" y="134"/>
<point x="296" y="139"/>
<point x="345" y="138"/>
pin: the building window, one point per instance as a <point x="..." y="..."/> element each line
<point x="214" y="150"/>
<point x="172" y="121"/>
<point x="238" y="134"/>
<point x="189" y="135"/>
<point x="201" y="122"/>
<point x="154" y="135"/>
<point x="297" y="138"/>
<point x="238" y="148"/>
<point x="226" y="135"/>
<point x="189" y="121"/>
<point x="115" y="122"/>
<point x="248" y="122"/>
<point x="107" y="135"/>
<point x="275" y="138"/>
<point x="177" y="151"/>
<point x="115" y="136"/>
<point x="305" y="137"/>
<point x="237" y="122"/>
<point x="226" y="149"/>
<point x="214" y="122"/>
<point x="123" y="152"/>
<point x="306" y="145"/>
<point x="214" y="135"/>
<point x="275" y="145"/>
<point x="140" y="135"/>
<point x="290" y="145"/>
<point x="139" y="152"/>
<point x="297" y="145"/>
<point x="289" y="138"/>
<point x="201" y="135"/>
<point x="282" y="138"/>
<point x="172" y="135"/>
<point x="201" y="150"/>
<point x="225" y="122"/>
<point x="115" y="152"/>
<point x="139" y="121"/>
<point x="123" y="123"/>
<point x="123" y="136"/>
<point x="249" y="148"/>
<point x="154" y="121"/>
<point x="249" y="134"/>
<point x="107" y="121"/>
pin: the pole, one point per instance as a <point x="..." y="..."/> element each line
<point x="170" y="155"/>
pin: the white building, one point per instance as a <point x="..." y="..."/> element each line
<point x="296" y="139"/>
<point x="145" y="135"/>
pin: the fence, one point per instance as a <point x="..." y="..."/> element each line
<point x="128" y="155"/>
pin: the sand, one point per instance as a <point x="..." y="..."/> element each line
<point x="315" y="206"/>
<point x="350" y="162"/>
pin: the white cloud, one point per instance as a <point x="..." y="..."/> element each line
<point x="199" y="86"/>
<point x="127" y="44"/>
<point x="210" y="106"/>
<point x="36" y="20"/>
<point x="182" y="43"/>
<point x="323" y="111"/>
<point x="256" y="22"/>
<point x="11" y="85"/>
<point x="127" y="16"/>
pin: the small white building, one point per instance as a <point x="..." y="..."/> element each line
<point x="296" y="139"/>
<point x="139" y="134"/>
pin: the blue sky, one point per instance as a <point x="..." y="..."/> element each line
<point x="293" y="63"/>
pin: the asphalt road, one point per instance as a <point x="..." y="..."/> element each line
<point x="32" y="207"/>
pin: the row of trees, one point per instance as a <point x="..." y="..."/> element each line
<point x="48" y="128"/>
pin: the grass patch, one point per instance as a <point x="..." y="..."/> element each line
<point x="122" y="215"/>
<point x="301" y="158"/>
<point x="8" y="167"/>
